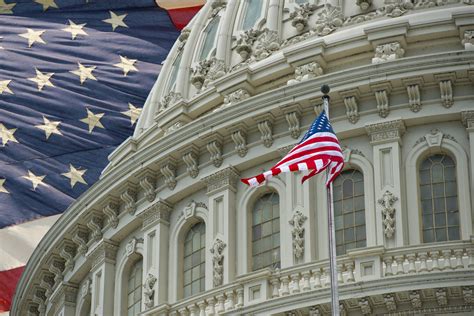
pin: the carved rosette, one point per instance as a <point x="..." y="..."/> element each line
<point x="306" y="72"/>
<point x="218" y="261"/>
<point x="297" y="233"/>
<point x="149" y="290"/>
<point x="388" y="52"/>
<point x="364" y="4"/>
<point x="388" y="211"/>
<point x="329" y="19"/>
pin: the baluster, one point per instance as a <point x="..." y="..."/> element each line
<point x="211" y="302"/>
<point x="458" y="254"/>
<point x="400" y="260"/>
<point x="340" y="280"/>
<point x="470" y="254"/>
<point x="423" y="256"/>
<point x="275" y="287"/>
<point x="240" y="297"/>
<point x="434" y="260"/>
<point x="202" y="308"/>
<point x="230" y="300"/>
<point x="317" y="278"/>
<point x="295" y="279"/>
<point x="350" y="272"/>
<point x="306" y="284"/>
<point x="388" y="266"/>
<point x="220" y="303"/>
<point x="285" y="289"/>
<point x="327" y="276"/>
<point x="447" y="259"/>
<point x="411" y="263"/>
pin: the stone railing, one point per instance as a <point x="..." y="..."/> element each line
<point x="367" y="264"/>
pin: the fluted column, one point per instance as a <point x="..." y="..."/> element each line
<point x="221" y="188"/>
<point x="155" y="227"/>
<point x="102" y="258"/>
<point x="385" y="138"/>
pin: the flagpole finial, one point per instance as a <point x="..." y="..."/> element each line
<point x="325" y="89"/>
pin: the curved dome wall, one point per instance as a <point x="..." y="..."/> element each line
<point x="170" y="230"/>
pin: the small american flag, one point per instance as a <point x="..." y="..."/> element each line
<point x="319" y="149"/>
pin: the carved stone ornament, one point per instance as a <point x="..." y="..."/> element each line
<point x="80" y="237"/>
<point x="414" y="98"/>
<point x="40" y="298"/>
<point x="67" y="252"/>
<point x="147" y="183"/>
<point x="365" y="306"/>
<point x="218" y="261"/>
<point x="385" y="131"/>
<point x="415" y="300"/>
<point x="267" y="43"/>
<point x="446" y="90"/>
<point x="293" y="120"/>
<point x="47" y="283"/>
<point x="388" y="213"/>
<point x="300" y="16"/>
<point x="183" y="37"/>
<point x="396" y="8"/>
<point x="56" y="267"/>
<point x="217" y="5"/>
<point x="352" y="109"/>
<point x="467" y="295"/>
<point x="306" y="72"/>
<point x="129" y="196"/>
<point x="265" y="128"/>
<point x="364" y="4"/>
<point x="105" y="251"/>
<point x="214" y="147"/>
<point x="236" y="96"/>
<point x="388" y="52"/>
<point x="149" y="290"/>
<point x="381" y="96"/>
<point x="173" y="128"/>
<point x="95" y="223"/>
<point x="467" y="118"/>
<point x="111" y="210"/>
<point x="168" y="170"/>
<point x="86" y="288"/>
<point x="297" y="233"/>
<point x="191" y="160"/>
<point x="168" y="100"/>
<point x="329" y="19"/>
<point x="390" y="303"/>
<point x="245" y="42"/>
<point x="222" y="179"/>
<point x="441" y="297"/>
<point x="156" y="213"/>
<point x="190" y="210"/>
<point x="207" y="71"/>
<point x="131" y="246"/>
<point x="468" y="40"/>
<point x="239" y="138"/>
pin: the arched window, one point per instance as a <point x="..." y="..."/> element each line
<point x="195" y="260"/>
<point x="174" y="73"/>
<point x="253" y="9"/>
<point x="134" y="289"/>
<point x="266" y="232"/>
<point x="349" y="211"/>
<point x="210" y="38"/>
<point x="439" y="199"/>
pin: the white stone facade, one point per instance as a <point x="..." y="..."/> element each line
<point x="402" y="90"/>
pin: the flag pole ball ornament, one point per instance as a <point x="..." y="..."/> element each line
<point x="74" y="76"/>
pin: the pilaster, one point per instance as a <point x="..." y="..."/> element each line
<point x="155" y="227"/>
<point x="102" y="258"/>
<point x="65" y="299"/>
<point x="468" y="121"/>
<point x="385" y="138"/>
<point x="221" y="188"/>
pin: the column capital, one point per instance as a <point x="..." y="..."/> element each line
<point x="467" y="118"/>
<point x="105" y="251"/>
<point x="385" y="132"/>
<point x="223" y="179"/>
<point x="66" y="294"/>
<point x="158" y="212"/>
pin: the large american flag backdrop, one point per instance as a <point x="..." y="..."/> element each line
<point x="74" y="75"/>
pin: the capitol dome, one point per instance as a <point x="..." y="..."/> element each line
<point x="170" y="230"/>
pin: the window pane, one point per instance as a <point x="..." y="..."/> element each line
<point x="134" y="288"/>
<point x="211" y="32"/>
<point x="252" y="13"/>
<point x="347" y="188"/>
<point x="193" y="273"/>
<point x="453" y="219"/>
<point x="441" y="234"/>
<point x="454" y="233"/>
<point x="428" y="221"/>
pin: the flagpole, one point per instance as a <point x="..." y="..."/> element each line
<point x="331" y="230"/>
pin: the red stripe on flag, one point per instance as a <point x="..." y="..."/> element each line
<point x="181" y="17"/>
<point x="8" y="281"/>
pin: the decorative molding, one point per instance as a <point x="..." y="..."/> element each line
<point x="221" y="180"/>
<point x="415" y="299"/>
<point x="300" y="15"/>
<point x="388" y="212"/>
<point x="364" y="305"/>
<point x="264" y="125"/>
<point x="206" y="71"/>
<point x="441" y="297"/>
<point x="329" y="18"/>
<point x="467" y="118"/>
<point x="149" y="290"/>
<point x="238" y="135"/>
<point x="80" y="236"/>
<point x="293" y="120"/>
<point x="39" y="297"/>
<point x="183" y="37"/>
<point x="414" y="98"/>
<point x="168" y="170"/>
<point x="105" y="251"/>
<point x="190" y="158"/>
<point x="129" y="196"/>
<point x="348" y="152"/>
<point x="67" y="252"/>
<point x="217" y="6"/>
<point x="158" y="212"/>
<point x="306" y="72"/>
<point x="467" y="295"/>
<point x="297" y="233"/>
<point x="148" y="184"/>
<point x="446" y="90"/>
<point x="214" y="147"/>
<point x="468" y="40"/>
<point x="352" y="109"/>
<point x="111" y="211"/>
<point x="235" y="97"/>
<point x="381" y="96"/>
<point x="388" y="52"/>
<point x="385" y="131"/>
<point x="95" y="224"/>
<point x="218" y="261"/>
<point x="132" y="245"/>
<point x="390" y="303"/>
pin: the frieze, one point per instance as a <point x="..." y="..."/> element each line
<point x="158" y="212"/>
<point x="222" y="179"/>
<point x="385" y="131"/>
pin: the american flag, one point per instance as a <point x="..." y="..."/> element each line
<point x="74" y="75"/>
<point x="319" y="149"/>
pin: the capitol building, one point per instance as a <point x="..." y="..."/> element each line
<point x="170" y="229"/>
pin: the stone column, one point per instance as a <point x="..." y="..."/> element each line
<point x="220" y="233"/>
<point x="65" y="298"/>
<point x="102" y="258"/>
<point x="273" y="16"/>
<point x="385" y="138"/>
<point x="155" y="229"/>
